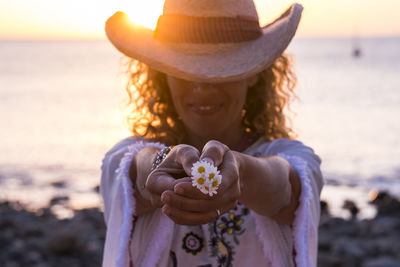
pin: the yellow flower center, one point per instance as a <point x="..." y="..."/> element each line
<point x="200" y="181"/>
<point x="201" y="169"/>
<point x="215" y="183"/>
<point x="212" y="175"/>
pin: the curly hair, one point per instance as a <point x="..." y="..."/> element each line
<point x="151" y="113"/>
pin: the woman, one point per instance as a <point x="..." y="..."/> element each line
<point x="209" y="86"/>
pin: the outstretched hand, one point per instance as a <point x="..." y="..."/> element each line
<point x="172" y="170"/>
<point x="171" y="187"/>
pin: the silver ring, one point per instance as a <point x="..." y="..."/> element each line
<point x="218" y="212"/>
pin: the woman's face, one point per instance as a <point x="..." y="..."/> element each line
<point x="209" y="110"/>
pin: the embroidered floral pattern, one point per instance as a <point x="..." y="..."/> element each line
<point x="231" y="225"/>
<point x="192" y="243"/>
<point x="226" y="229"/>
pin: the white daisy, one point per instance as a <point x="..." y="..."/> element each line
<point x="211" y="190"/>
<point x="214" y="183"/>
<point x="204" y="189"/>
<point x="211" y="173"/>
<point x="199" y="168"/>
<point x="198" y="181"/>
<point x="206" y="177"/>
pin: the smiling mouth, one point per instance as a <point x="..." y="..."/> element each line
<point x="203" y="109"/>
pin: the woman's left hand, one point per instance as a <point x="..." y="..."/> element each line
<point x="186" y="205"/>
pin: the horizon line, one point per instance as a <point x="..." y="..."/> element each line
<point x="104" y="38"/>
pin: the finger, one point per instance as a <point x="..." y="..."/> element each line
<point x="185" y="156"/>
<point x="229" y="171"/>
<point x="156" y="199"/>
<point x="186" y="189"/>
<point x="187" y="204"/>
<point x="189" y="218"/>
<point x="157" y="182"/>
<point x="213" y="152"/>
<point x="176" y="172"/>
<point x="179" y="160"/>
<point x="191" y="199"/>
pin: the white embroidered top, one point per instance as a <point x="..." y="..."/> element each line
<point x="229" y="241"/>
<point x="238" y="238"/>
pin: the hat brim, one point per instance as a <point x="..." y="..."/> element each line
<point x="138" y="42"/>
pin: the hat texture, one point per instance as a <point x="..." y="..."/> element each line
<point x="206" y="40"/>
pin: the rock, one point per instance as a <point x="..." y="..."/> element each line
<point x="385" y="226"/>
<point x="386" y="204"/>
<point x="92" y="216"/>
<point x="33" y="230"/>
<point x="325" y="215"/>
<point x="59" y="184"/>
<point x="340" y="227"/>
<point x="382" y="262"/>
<point x="351" y="207"/>
<point x="324" y="207"/>
<point x="35" y="244"/>
<point x="388" y="245"/>
<point x="63" y="243"/>
<point x="325" y="241"/>
<point x="59" y="200"/>
<point x="6" y="223"/>
<point x="32" y="257"/>
<point x="350" y="249"/>
<point x="11" y="264"/>
<point x="364" y="227"/>
<point x="96" y="189"/>
<point x="15" y="250"/>
<point x="39" y="239"/>
<point x="328" y="260"/>
<point x="42" y="264"/>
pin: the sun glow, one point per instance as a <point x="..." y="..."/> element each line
<point x="145" y="13"/>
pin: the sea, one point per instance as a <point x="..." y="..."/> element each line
<point x="62" y="107"/>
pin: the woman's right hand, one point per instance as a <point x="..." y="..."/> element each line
<point x="175" y="168"/>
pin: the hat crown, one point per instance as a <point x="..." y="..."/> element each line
<point x="211" y="8"/>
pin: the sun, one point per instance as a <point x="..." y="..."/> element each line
<point x="145" y="13"/>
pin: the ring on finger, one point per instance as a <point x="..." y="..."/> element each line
<point x="218" y="212"/>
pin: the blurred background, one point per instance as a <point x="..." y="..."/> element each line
<point x="62" y="107"/>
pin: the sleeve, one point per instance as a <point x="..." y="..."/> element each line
<point x="305" y="226"/>
<point x="119" y="204"/>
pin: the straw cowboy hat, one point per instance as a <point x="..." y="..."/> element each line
<point x="206" y="40"/>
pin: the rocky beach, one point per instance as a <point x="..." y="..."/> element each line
<point x="39" y="238"/>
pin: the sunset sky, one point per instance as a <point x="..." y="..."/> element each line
<point x="61" y="19"/>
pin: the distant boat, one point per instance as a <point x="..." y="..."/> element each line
<point x="356" y="52"/>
